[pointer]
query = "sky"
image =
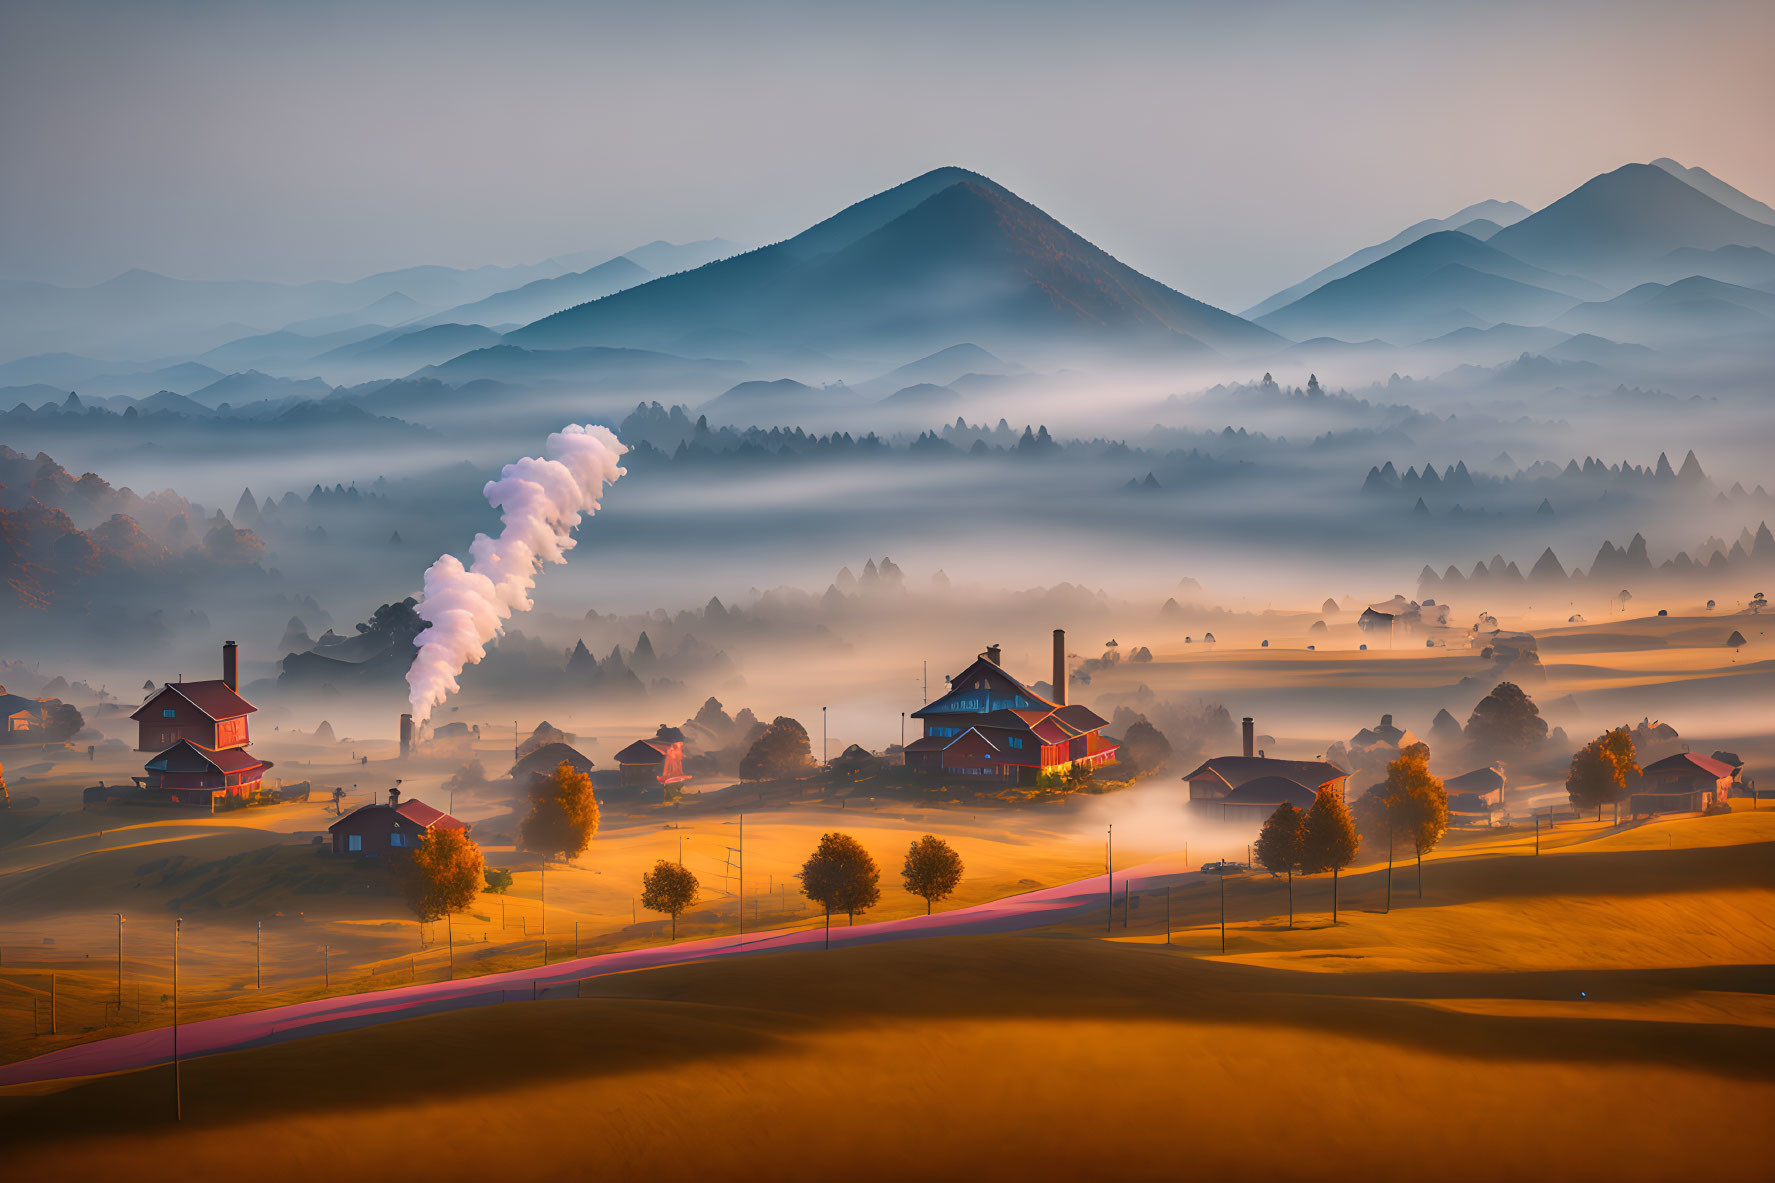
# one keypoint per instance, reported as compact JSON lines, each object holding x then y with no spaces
{"x":1226,"y":149}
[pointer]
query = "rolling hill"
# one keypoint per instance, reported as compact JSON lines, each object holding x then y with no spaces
{"x":1733,"y":199}
{"x":948,"y":254}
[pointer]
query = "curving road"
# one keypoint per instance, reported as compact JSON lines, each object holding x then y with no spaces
{"x":255,"y":1028}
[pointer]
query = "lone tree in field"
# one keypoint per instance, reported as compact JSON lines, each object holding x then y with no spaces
{"x":1281,"y":846}
{"x":1330,"y":839}
{"x":841,"y":876}
{"x":1506,"y":721}
{"x":783,"y":750}
{"x":1416,"y":806}
{"x":563,"y":814}
{"x":668,"y":888}
{"x":1599,"y":773}
{"x":932,"y":870}
{"x":443,"y":874}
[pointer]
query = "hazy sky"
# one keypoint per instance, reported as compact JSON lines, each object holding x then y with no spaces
{"x":1227,"y":149}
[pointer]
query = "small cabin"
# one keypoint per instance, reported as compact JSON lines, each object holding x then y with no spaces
{"x":371,"y":831}
{"x":659,"y":760}
{"x":1684,"y":783}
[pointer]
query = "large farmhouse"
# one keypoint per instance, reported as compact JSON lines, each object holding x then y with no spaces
{"x":992,"y":727}
{"x":199,"y":730}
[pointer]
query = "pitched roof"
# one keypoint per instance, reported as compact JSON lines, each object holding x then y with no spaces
{"x":1271,"y":790}
{"x":12,"y":704}
{"x":212,"y":697}
{"x":226,"y":760}
{"x":548,"y":757}
{"x":412,"y":809}
{"x":644,"y":751}
{"x":1685,"y":760}
{"x":982,"y":668}
{"x":1239,"y":770}
{"x":419,"y":813}
{"x":1480,"y":780}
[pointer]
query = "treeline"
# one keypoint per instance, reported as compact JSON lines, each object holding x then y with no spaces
{"x":1750,"y":553}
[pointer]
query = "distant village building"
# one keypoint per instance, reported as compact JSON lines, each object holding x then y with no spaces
{"x":1478,"y":792}
{"x":991,"y":727}
{"x":199,"y":732}
{"x":20,"y":715}
{"x":656,"y":761}
{"x":1684,"y":783}
{"x":371,"y":831}
{"x":1250,"y":787}
{"x":544,"y":760}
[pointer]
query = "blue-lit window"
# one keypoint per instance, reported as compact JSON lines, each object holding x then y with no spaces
{"x":169,"y":713}
{"x":1015,"y":741}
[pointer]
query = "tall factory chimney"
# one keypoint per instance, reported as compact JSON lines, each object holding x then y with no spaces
{"x":1250,"y":737}
{"x":406,"y":736}
{"x":231,"y":665}
{"x":1060,"y":667}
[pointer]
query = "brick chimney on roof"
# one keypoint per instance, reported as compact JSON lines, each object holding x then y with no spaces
{"x":231,"y":666}
{"x":1060,"y":667}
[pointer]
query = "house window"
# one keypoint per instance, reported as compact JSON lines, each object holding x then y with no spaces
{"x":397,"y":839}
{"x":354,"y":842}
{"x":169,"y":713}
{"x":1015,"y":741}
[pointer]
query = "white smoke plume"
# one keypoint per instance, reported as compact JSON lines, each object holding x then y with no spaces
{"x":541,"y":499}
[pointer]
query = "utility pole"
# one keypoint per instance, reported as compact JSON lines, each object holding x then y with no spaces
{"x":178,"y":1095}
{"x":52,"y":1029}
{"x":450,"y":935}
{"x":120,"y":965}
{"x":1223,"y":910}
{"x":903,"y":736}
{"x":258,"y":954}
{"x":543,"y":905}
{"x":1109,"y":871}
{"x":326,"y":967}
{"x":1537,"y":834}
{"x":1126,"y":884}
{"x":825,"y":755}
{"x":1167,"y":913}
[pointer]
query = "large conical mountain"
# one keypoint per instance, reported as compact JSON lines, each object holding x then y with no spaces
{"x":1615,"y":225}
{"x":947,"y":256}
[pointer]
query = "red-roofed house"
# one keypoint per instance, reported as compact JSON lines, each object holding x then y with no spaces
{"x":199,"y":730}
{"x":991,"y":726}
{"x":1684,"y":783}
{"x":659,"y":760}
{"x":371,"y":831}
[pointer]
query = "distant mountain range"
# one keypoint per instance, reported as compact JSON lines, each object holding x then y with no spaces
{"x":1567,"y":264}
{"x":947,"y":254}
{"x":1480,"y":221}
